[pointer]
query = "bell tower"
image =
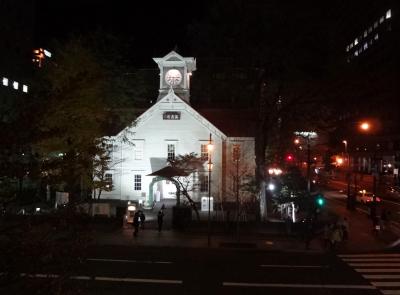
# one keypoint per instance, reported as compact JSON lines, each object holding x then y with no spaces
{"x":175,"y":73}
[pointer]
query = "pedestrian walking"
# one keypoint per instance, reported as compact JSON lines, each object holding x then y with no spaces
{"x":326,"y":235}
{"x":160,"y":219}
{"x":136,"y":223}
{"x":142,"y":218}
{"x":344,"y":226}
{"x":336,"y":237}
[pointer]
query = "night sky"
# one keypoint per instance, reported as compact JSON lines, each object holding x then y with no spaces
{"x":152,"y":27}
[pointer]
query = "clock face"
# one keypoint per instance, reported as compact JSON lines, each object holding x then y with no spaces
{"x":173,"y":77}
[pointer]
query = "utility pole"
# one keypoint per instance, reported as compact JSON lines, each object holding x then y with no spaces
{"x":308,"y":164}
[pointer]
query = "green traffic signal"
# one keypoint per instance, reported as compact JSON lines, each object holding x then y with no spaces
{"x":320,"y":201}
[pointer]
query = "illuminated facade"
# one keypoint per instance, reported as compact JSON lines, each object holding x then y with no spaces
{"x":169,"y":128}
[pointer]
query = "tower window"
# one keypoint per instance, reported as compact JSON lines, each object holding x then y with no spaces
{"x":5,"y":81}
{"x":171,"y":152}
{"x":138,"y":182}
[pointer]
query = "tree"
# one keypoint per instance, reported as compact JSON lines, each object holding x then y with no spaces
{"x":82,"y":89}
{"x":190,"y":163}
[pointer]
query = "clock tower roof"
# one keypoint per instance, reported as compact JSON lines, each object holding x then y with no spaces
{"x":175,"y":72}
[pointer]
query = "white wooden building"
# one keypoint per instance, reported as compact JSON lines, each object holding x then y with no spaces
{"x":169,"y":128}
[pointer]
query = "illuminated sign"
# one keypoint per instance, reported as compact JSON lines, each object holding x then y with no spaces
{"x":171,"y":115}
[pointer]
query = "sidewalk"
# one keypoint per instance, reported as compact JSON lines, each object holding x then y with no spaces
{"x":269,"y":236}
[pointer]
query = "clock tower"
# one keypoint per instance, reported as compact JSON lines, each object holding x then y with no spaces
{"x":175,"y":72}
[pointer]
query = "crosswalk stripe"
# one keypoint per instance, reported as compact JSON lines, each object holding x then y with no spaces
{"x":386,"y":284}
{"x":383,"y":259}
{"x":375,"y":264}
{"x":381,"y":277}
{"x":390,"y":292}
{"x":387,"y":255}
{"x":382,"y":270}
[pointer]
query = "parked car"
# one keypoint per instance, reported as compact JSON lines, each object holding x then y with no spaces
{"x":393,"y":191}
{"x":366,"y":197}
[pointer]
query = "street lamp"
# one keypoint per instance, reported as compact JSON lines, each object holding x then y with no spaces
{"x":209,"y":166}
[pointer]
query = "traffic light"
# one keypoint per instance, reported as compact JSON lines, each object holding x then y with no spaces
{"x":319,"y":200}
{"x":289,"y":158}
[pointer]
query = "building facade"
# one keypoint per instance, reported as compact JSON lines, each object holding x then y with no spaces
{"x":169,"y":128}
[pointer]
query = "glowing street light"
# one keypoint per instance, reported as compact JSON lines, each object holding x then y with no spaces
{"x":365,"y":126}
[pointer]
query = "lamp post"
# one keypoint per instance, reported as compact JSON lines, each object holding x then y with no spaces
{"x":209,"y":166}
{"x":350,"y":200}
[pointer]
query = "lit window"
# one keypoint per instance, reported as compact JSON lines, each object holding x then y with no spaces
{"x":356,"y":53}
{"x":369,"y":29}
{"x":171,"y":152}
{"x":204,"y":152}
{"x":365,"y":33}
{"x":356,"y":41}
{"x":236,"y":152}
{"x":138,"y":182}
{"x":375,"y":25}
{"x":365,"y":45}
{"x":204,"y":183}
{"x":381,"y":19}
{"x":5,"y":81}
{"x":388,"y":14}
{"x":15,"y":85}
{"x":351,"y":45}
{"x":347,"y":48}
{"x":108,"y":180}
{"x":376,"y":37}
{"x":25,"y":88}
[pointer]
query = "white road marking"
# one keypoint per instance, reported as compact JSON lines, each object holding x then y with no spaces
{"x":383,"y":259}
{"x":292,"y":266}
{"x":138,"y":280}
{"x":390,"y":292}
{"x":384,"y":277}
{"x":386,"y":284}
{"x":370,"y":255}
{"x":375,"y":264}
{"x":109,"y":279}
{"x":129,"y":261}
{"x":318,"y":286}
{"x":381,"y":270}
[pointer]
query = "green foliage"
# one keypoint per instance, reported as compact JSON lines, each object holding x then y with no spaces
{"x":81,"y":88}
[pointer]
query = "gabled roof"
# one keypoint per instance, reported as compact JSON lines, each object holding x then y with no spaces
{"x":171,"y":97}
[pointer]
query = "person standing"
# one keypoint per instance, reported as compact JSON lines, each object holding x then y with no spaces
{"x":142,"y":218}
{"x":136,"y":223}
{"x":160,"y":220}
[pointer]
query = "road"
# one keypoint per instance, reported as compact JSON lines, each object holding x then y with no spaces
{"x":338,"y":193}
{"x":128,"y":270}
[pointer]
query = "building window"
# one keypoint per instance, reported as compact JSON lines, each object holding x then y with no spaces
{"x":376,"y":37}
{"x":15,"y":85}
{"x":381,"y":19}
{"x":236,"y":152}
{"x":204,"y":152}
{"x":388,"y":14}
{"x":5,"y":81}
{"x":25,"y":88}
{"x":138,"y":182}
{"x":108,"y":179}
{"x":171,"y":152}
{"x":356,"y":41}
{"x":365,"y":45}
{"x":375,"y":24}
{"x":204,"y":183}
{"x":365,"y":33}
{"x":370,"y":30}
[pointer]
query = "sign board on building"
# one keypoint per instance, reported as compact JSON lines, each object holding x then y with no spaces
{"x":204,"y":204}
{"x":171,"y":115}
